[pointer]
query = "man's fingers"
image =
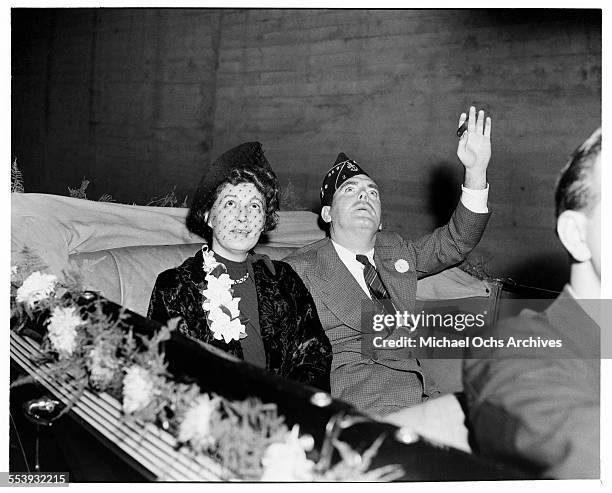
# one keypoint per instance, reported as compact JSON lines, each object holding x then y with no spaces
{"x":480,"y":122}
{"x":462,"y":127}
{"x":487,"y":129}
{"x":472,"y":120}
{"x":462,"y":118}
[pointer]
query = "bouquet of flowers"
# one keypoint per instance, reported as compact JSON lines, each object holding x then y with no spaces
{"x":101,"y":352}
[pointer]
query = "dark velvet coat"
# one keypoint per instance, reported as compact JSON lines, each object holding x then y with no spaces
{"x":295,"y":344}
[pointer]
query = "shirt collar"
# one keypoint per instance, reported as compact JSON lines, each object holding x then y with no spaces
{"x":347,"y":256}
{"x":591,"y":307}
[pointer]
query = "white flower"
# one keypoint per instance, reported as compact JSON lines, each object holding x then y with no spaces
{"x":224,"y":328}
{"x":215,"y":314}
{"x":36,"y":287}
{"x":232,"y":306}
{"x":216,"y":294}
{"x":209,"y":261}
{"x":218,"y":288}
{"x":62,"y":329}
{"x":195,"y":426}
{"x":138,"y":389}
{"x":286,"y":461}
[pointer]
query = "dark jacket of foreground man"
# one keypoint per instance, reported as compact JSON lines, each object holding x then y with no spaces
{"x":294,"y":342}
{"x":542,"y":408}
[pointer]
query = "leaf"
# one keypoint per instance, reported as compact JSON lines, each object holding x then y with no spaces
{"x":22,"y":380}
{"x":382,"y":474}
{"x":16,"y":178}
{"x":172,"y":324}
{"x":348,"y":455}
{"x":168,"y":200}
{"x":79,"y":193}
{"x":370,"y":453}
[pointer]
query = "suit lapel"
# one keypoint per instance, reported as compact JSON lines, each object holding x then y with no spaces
{"x":397,"y":284}
{"x":339,"y":290}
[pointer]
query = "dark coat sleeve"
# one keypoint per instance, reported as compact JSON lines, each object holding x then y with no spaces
{"x":451,"y":243}
{"x":165,"y":298}
{"x":305,"y":350}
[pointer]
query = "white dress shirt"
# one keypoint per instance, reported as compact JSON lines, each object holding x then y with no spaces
{"x":353,"y":265}
{"x":474,"y":200}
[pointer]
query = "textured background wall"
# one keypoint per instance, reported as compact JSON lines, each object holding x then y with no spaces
{"x":139,"y":101}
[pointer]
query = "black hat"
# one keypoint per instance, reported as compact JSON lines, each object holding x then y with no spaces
{"x":343,"y":169}
{"x":248,"y":156}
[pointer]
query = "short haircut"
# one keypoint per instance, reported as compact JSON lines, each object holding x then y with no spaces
{"x":264,"y":180}
{"x":575,"y":188}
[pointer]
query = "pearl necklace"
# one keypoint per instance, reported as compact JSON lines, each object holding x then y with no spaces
{"x":241,"y":280}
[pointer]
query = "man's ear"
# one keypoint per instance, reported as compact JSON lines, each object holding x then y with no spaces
{"x":572,"y":231}
{"x":325,"y":215}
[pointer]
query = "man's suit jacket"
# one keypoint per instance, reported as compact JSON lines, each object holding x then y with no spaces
{"x":380,"y":385}
{"x":541,"y":407}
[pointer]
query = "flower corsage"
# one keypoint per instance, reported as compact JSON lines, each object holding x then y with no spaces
{"x":220,"y":305}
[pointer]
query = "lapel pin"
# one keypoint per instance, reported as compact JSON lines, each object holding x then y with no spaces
{"x":401,"y":266}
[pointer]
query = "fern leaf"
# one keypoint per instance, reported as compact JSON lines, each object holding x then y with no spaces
{"x":79,"y":193}
{"x":16,"y":178}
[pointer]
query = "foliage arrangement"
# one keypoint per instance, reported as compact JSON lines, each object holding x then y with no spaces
{"x":16,"y":178}
{"x":288,"y":197}
{"x":168,"y":200}
{"x":80,"y":193}
{"x":100,"y":351}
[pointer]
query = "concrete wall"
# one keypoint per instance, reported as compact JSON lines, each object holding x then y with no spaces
{"x":139,"y":101}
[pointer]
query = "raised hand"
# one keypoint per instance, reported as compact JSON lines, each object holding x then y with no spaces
{"x":474,"y":149}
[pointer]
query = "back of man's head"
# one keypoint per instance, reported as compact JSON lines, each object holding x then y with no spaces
{"x":578,"y":208}
{"x":576,"y":188}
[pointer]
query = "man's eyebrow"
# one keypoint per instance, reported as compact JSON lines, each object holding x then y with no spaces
{"x":349,"y":182}
{"x":355,"y":182}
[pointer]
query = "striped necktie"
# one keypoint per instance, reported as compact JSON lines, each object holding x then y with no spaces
{"x":377,"y":289}
{"x":373,"y":280}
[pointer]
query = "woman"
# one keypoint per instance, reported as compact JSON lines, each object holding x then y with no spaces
{"x":246,"y":304}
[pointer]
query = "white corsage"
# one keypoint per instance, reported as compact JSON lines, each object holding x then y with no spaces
{"x":219,"y":303}
{"x":210,"y":263}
